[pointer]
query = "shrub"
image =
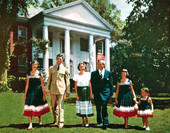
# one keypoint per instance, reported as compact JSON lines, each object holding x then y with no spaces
{"x":17,"y":84}
{"x":4,"y":88}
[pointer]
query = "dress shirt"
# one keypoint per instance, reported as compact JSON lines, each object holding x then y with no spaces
{"x":101,"y":72}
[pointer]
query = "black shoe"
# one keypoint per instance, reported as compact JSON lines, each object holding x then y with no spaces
{"x":104,"y":127}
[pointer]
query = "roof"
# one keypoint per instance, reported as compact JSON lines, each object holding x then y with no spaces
{"x":92,"y":11}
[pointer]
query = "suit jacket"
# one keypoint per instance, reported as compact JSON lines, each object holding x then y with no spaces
{"x":101,"y":88}
{"x":58,"y":81}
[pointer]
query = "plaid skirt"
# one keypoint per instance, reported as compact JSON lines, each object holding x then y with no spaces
{"x":84,"y":105}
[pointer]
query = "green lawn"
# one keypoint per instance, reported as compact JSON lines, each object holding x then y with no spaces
{"x":12,"y":120}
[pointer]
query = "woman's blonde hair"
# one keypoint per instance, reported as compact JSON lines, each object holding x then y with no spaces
{"x":125,"y":70}
{"x":146,"y":90}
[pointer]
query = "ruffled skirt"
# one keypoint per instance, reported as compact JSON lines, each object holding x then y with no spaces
{"x":145,"y":113}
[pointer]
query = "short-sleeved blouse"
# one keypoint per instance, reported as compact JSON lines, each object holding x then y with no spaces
{"x":82,"y":80}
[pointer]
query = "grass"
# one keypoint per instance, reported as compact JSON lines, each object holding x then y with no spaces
{"x":12,"y":120}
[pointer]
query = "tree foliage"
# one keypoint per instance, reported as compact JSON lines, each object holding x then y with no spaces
{"x":9,"y":9}
{"x":104,"y":8}
{"x":147,"y":55}
{"x":39,"y":46}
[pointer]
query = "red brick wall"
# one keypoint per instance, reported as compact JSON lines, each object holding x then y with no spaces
{"x":100,"y":56}
{"x":13,"y":40}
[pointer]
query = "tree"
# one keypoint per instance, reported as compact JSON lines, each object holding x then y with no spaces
{"x":9,"y":9}
{"x":147,"y":30}
{"x":104,"y":8}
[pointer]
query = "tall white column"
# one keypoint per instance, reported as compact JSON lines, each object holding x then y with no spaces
{"x":67,"y":49}
{"x":46,"y":56}
{"x":92,"y":56}
{"x":107,"y":54}
{"x":33,"y":49}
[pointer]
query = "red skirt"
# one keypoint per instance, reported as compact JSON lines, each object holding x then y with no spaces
{"x":125,"y":111}
{"x":145,"y":113}
{"x":31,"y":110}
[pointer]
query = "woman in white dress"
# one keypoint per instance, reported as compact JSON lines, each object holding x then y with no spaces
{"x":84,"y":94}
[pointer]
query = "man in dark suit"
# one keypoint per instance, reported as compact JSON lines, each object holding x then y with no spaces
{"x":102,"y":88}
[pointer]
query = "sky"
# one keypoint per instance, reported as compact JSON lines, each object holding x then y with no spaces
{"x":121,"y":5}
{"x":124,"y":8}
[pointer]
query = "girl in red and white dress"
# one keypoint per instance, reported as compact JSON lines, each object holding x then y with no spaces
{"x":145,"y":107}
{"x":125,"y":98}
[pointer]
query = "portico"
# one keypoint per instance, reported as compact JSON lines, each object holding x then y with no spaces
{"x":73,"y":27}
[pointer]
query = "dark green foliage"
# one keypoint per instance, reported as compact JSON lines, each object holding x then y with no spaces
{"x":17,"y":84}
{"x":9,"y":9}
{"x":39,"y":45}
{"x":4,"y":88}
{"x":145,"y":48}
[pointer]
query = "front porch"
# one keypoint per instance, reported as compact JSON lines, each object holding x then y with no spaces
{"x":74,"y":34}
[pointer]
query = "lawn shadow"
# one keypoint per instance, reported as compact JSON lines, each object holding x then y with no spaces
{"x":25,"y":126}
{"x":121,"y":126}
{"x":112,"y":126}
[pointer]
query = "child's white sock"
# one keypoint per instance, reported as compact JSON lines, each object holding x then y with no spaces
{"x":30,"y":126}
{"x":147,"y":129}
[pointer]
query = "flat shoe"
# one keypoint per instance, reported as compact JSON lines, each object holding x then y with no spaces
{"x":87,"y":125}
{"x":29,"y":128}
{"x":59,"y":127}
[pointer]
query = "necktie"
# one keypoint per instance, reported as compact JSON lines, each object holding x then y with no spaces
{"x":101,"y":75}
{"x":58,"y":67}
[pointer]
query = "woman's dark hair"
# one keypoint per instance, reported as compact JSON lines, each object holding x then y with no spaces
{"x":32,"y":62}
{"x":30,"y":66}
{"x":80,"y":64}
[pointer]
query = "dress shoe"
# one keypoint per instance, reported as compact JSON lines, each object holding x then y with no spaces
{"x":100,"y":124}
{"x":87,"y":125}
{"x":104,"y":127}
{"x":59,"y":127}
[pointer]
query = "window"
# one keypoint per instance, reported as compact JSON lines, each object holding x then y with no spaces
{"x":84,"y":44}
{"x":40,"y":60}
{"x":87,"y":66}
{"x":71,"y":47}
{"x":62,"y":45}
{"x":50,"y":37}
{"x":100,"y":48}
{"x":22,"y":34}
{"x":50,"y":62}
{"x":22,"y":64}
{"x":39,"y":34}
{"x":71,"y":69}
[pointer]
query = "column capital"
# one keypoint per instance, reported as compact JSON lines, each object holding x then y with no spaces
{"x":91,"y":34}
{"x":44,"y":25}
{"x":67,"y":29}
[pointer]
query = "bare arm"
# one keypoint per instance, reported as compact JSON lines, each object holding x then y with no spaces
{"x":75,"y":88}
{"x":132,"y":91}
{"x":117,"y":92}
{"x":67,"y":81}
{"x":26,"y":87}
{"x":47,"y":89}
{"x":42,"y":86}
{"x":139,"y":102}
{"x":151,"y":104}
{"x":90,"y":87}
